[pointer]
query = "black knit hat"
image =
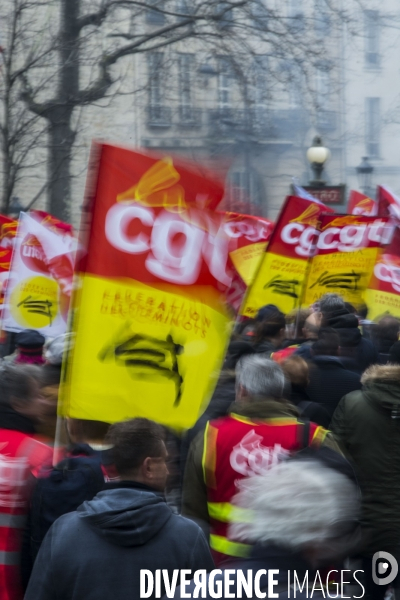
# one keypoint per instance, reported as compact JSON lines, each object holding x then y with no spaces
{"x":30,"y":339}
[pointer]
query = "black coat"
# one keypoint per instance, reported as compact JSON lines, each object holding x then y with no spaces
{"x":352,"y":344}
{"x":96,"y":553}
{"x":330,"y":381}
{"x":312,"y":411}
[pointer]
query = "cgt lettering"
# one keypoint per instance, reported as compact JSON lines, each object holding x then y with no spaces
{"x":351,"y":237}
{"x":388,"y":273}
{"x":254,"y":232}
{"x":166,"y":259}
{"x":301,"y":236}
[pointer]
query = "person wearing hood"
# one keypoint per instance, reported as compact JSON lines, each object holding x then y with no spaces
{"x":260,"y":429}
{"x":98,"y":551}
{"x":367,"y":425}
{"x":359,"y":352}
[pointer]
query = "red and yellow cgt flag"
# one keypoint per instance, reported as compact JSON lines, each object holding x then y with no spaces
{"x":383,"y":293}
{"x":281,"y":275}
{"x":150,"y":320}
{"x":345,"y":255}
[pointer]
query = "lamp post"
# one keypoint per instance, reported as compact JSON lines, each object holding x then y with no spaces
{"x":364,"y":175}
{"x":317,"y":155}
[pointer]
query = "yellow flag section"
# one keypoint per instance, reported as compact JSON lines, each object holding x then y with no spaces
{"x":346,"y":252}
{"x":143,"y":352}
{"x":383,"y":293}
{"x":149,"y":316}
{"x":247,"y":259}
{"x":282,"y":272}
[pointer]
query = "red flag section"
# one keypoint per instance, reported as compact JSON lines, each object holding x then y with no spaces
{"x":383,"y":294}
{"x":388,"y":202}
{"x":359,"y":204}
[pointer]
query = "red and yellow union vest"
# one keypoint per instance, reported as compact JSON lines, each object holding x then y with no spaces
{"x":236,"y":447}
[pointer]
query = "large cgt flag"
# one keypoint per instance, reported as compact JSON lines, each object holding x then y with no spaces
{"x":345,"y":255}
{"x":150,"y":320}
{"x":383,"y":294}
{"x":281,"y":275}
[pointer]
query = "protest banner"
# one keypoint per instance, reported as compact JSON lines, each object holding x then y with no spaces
{"x":250,"y":236}
{"x":8,"y":231}
{"x":388,"y":202}
{"x":35,"y":297}
{"x":383,"y":293}
{"x":360,"y":204}
{"x":345,"y":255}
{"x":281,"y":275}
{"x":150,"y":320}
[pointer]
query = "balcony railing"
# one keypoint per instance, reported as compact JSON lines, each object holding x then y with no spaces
{"x":159,"y":116}
{"x":190,"y":117}
{"x":257,"y":122}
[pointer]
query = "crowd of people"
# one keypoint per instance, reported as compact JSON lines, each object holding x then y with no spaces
{"x":294,"y":465}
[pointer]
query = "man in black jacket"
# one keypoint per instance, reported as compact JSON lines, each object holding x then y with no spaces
{"x":359,"y":352}
{"x":98,"y":551}
{"x":329,"y":379}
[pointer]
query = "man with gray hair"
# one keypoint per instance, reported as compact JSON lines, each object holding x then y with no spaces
{"x":261,"y":429}
{"x":299,"y":516}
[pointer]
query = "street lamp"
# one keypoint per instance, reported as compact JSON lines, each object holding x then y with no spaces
{"x":317,"y":155}
{"x":364,"y":175}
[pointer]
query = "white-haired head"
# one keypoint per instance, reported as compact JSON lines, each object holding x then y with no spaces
{"x":296,"y":504}
{"x":257,"y":375}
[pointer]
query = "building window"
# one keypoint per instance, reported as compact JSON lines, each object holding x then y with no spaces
{"x":372,"y":127}
{"x":260,"y":93}
{"x":186,"y":62}
{"x":321,"y":18}
{"x":155,"y":16}
{"x":224,"y":84}
{"x":244,"y":188}
{"x":159,"y":114}
{"x":323,"y":88}
{"x":296,"y":16}
{"x":372,"y":38}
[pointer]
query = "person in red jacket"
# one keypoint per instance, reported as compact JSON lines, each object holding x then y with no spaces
{"x":21,"y":458}
{"x":261,"y":429}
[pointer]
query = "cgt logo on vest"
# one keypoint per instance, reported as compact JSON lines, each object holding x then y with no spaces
{"x":250,"y":457}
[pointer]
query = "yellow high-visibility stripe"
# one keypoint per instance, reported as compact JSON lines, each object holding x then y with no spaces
{"x":225,"y":546}
{"x":272,"y":421}
{"x":319,"y":435}
{"x":209,"y":459}
{"x":228,"y":513}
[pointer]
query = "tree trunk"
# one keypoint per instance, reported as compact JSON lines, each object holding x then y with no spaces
{"x":61,"y":137}
{"x":61,"y":140}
